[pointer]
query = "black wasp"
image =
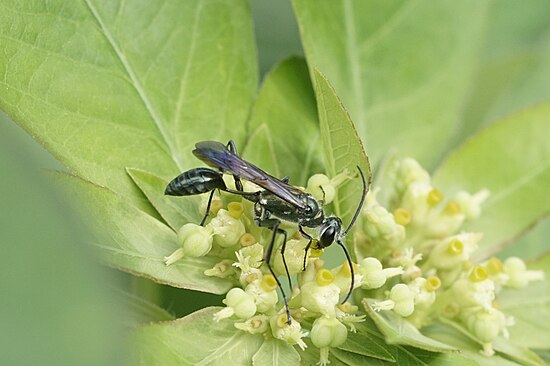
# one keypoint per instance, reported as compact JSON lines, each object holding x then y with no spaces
{"x":277,"y":201}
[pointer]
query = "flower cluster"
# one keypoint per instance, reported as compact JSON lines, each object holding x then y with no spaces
{"x":412,"y":259}
{"x":420,"y":230}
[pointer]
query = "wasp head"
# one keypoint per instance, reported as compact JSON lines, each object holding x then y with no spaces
{"x":330,"y":231}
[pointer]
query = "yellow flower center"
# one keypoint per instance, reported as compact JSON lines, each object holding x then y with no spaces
{"x":402,"y":216}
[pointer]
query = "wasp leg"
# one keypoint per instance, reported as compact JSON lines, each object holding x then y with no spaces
{"x":310,"y":238}
{"x":207,"y":213}
{"x":273,"y":224}
{"x":232,"y":147}
{"x":285,"y":179}
{"x":350,"y":263}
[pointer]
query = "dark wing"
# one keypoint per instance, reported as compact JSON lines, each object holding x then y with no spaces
{"x":218,"y":156}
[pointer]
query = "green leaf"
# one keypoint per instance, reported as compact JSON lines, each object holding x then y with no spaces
{"x":398,"y":330}
{"x":531,"y":245}
{"x":342,"y":148}
{"x":544,"y":354}
{"x":284,"y":138}
{"x":528,"y":306}
{"x":133,"y":241}
{"x":367,"y":341}
{"x":275,"y":352}
{"x":511,"y":159}
{"x":176,"y":211}
{"x":469,"y":349}
{"x":195,"y":340}
{"x":401,"y":356}
{"x":108,"y":84}
{"x":517,"y":353}
{"x":402,"y":68}
{"x":138,"y":311}
{"x":514,"y":69}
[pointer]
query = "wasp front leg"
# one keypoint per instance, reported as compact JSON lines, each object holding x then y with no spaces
{"x":262,"y":219}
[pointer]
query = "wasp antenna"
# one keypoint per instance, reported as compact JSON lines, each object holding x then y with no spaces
{"x":358,"y":211}
{"x":350,"y":263}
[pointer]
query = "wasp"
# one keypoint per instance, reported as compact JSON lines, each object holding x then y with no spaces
{"x":276,"y":201}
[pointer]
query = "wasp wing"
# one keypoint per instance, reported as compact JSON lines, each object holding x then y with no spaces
{"x":218,"y":156}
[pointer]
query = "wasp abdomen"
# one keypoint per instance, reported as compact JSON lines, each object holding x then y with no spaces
{"x":195,"y":181}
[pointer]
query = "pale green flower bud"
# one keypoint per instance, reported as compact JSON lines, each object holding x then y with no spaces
{"x":380,"y":226}
{"x":328,"y":332}
{"x":518,"y":274}
{"x":294,"y":256}
{"x":486,"y":325}
{"x":195,"y":241}
{"x":290,"y":333}
{"x":410,"y":171}
{"x":239,"y":303}
{"x":227,"y":229}
{"x":264,"y":292}
{"x":400,"y":174}
{"x":403,"y":298}
{"x":321,"y":296}
{"x":374,"y":276}
{"x":323,"y":188}
{"x":470,"y":204}
{"x":258,"y":324}
{"x":319,"y":183}
{"x":401,"y":301}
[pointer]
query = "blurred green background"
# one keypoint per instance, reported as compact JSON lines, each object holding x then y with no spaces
{"x":58,"y":306}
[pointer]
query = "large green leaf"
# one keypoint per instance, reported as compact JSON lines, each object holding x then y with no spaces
{"x":176,"y":211}
{"x":342,"y":147}
{"x":402,"y":68}
{"x":528,"y":306}
{"x":284,"y":132}
{"x":514,"y":68}
{"x":511,"y":159}
{"x":108,"y":84}
{"x":134,"y":242}
{"x":138,"y":311}
{"x":195,"y":340}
